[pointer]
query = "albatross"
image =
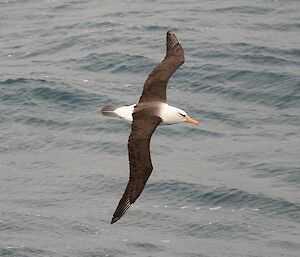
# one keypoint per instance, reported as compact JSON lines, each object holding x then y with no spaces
{"x":151,"y":110}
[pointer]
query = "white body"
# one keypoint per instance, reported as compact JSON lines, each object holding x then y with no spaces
{"x":168,"y":114}
{"x":125,"y":112}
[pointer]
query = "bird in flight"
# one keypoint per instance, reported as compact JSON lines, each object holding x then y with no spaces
{"x":151,"y":111}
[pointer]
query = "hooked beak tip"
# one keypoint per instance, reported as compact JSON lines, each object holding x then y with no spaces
{"x":191,"y":120}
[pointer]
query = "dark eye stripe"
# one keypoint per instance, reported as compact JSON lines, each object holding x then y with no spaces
{"x":183,"y":115}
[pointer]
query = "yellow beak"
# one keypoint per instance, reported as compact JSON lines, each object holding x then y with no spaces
{"x":191,"y":120}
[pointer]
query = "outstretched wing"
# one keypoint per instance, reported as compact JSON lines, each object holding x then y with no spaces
{"x":156,"y":84}
{"x":143,"y":126}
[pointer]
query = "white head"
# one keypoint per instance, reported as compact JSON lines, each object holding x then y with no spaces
{"x":173,"y":115}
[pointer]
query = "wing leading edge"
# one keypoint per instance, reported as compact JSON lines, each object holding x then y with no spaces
{"x":156,"y":84}
{"x":140,"y":163}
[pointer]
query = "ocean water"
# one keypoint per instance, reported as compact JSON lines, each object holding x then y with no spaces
{"x":227,"y":188}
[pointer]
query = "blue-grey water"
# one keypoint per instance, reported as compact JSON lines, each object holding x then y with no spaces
{"x":227,"y":188}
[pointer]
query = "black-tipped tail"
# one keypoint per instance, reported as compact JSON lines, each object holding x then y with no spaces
{"x":108,"y":110}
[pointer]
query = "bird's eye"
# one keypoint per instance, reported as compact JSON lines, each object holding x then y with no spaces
{"x":183,"y":115}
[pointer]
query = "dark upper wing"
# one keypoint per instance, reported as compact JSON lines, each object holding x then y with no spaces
{"x":140,"y":164}
{"x":156,"y":84}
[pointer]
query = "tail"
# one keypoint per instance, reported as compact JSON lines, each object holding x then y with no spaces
{"x":108,"y":110}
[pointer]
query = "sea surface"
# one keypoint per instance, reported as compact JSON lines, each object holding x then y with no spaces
{"x":230,"y":187}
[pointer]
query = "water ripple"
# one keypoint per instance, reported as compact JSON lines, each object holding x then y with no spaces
{"x":221,"y":196}
{"x":116,"y":62}
{"x":246,"y":9}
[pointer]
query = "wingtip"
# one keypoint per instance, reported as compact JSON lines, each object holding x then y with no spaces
{"x":172,"y":40}
{"x":171,"y":35}
{"x":114,"y":219}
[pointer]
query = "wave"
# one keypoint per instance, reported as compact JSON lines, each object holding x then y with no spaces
{"x":268,"y":88}
{"x":24,"y":251}
{"x":115,"y":62}
{"x":176,"y":191}
{"x":289,"y":174}
{"x":21,"y":81}
{"x":278,"y":26}
{"x":74,"y":99}
{"x":245,"y":9}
